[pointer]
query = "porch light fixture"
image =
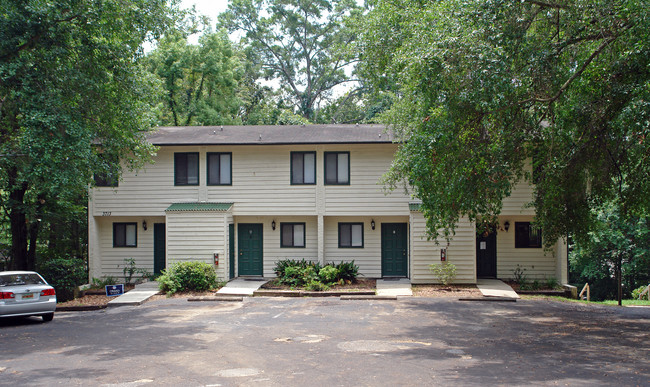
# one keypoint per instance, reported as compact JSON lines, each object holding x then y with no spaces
{"x":506,"y":225}
{"x":273,"y":224}
{"x":144,"y":225}
{"x":372,"y":224}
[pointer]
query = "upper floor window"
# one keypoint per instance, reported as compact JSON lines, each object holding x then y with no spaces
{"x":337,"y":167}
{"x":303,"y":167}
{"x":105,"y":180}
{"x":186,"y":168}
{"x":219,"y":168}
{"x":125,"y":234}
{"x":350,"y":234}
{"x":293,"y":235}
{"x":527,"y":235}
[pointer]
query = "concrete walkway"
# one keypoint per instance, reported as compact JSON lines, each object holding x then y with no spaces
{"x":242,"y":286}
{"x":394,"y":287}
{"x":496,"y":288}
{"x":137,"y":296}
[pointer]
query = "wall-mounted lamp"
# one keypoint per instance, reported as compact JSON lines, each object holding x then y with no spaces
{"x":506,"y":225}
{"x":144,"y":225}
{"x":273,"y":224}
{"x":372,"y":224}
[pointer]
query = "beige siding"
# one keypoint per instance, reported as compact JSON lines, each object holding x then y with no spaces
{"x":537,"y":262}
{"x":271,"y":240}
{"x":520,"y":197}
{"x":110,"y":260}
{"x":196,"y":236}
{"x":461,"y":252}
{"x":367,"y":258}
{"x":260,"y":184}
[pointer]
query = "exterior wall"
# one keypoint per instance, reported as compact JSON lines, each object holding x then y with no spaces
{"x":367,"y":258}
{"x":272,"y":252}
{"x":107,"y":260}
{"x":196,"y":236}
{"x":461,"y":252}
{"x":260,"y":184}
{"x":520,"y":197}
{"x":538,"y":263}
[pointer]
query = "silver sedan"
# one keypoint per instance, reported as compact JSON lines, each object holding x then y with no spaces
{"x":26,"y":293}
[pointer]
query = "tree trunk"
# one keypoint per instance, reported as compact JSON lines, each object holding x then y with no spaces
{"x":18,"y":222}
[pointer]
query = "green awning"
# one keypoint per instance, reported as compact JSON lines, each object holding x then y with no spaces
{"x":199,"y":207}
{"x":414,"y":206}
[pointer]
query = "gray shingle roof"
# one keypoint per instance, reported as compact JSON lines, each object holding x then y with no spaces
{"x":270,"y":135}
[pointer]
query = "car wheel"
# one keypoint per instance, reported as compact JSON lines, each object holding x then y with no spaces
{"x":48,"y":317}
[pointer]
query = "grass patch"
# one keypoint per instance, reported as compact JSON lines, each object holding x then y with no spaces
{"x":607,"y":302}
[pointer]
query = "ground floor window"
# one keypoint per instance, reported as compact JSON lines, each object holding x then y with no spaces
{"x":527,"y":235}
{"x":293,"y":234}
{"x":350,"y":234}
{"x":125,"y":235}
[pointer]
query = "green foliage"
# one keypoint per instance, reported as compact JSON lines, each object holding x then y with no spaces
{"x":188,"y":276}
{"x":348,"y":271}
{"x":329,"y":274}
{"x":64,"y":275}
{"x":130,"y":269}
{"x":636,"y":293}
{"x":297,"y":42}
{"x":487,"y":86}
{"x":101,"y":283}
{"x":201,"y":83}
{"x":519,"y":274}
{"x":74,"y":95}
{"x":614,"y":242}
{"x":445,"y":272}
{"x":313,"y":276}
{"x":551,"y":283}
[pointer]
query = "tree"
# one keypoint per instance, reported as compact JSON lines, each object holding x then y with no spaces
{"x":201,"y":82}
{"x":485,"y":87}
{"x":298,"y":43}
{"x":615,"y":249}
{"x":72,"y":97}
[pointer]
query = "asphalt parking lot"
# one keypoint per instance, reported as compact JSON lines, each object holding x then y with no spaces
{"x":328,"y":341}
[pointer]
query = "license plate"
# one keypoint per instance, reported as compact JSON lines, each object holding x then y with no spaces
{"x":28,"y":296}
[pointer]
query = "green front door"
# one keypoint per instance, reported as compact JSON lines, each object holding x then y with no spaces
{"x":158,"y":247}
{"x":394,"y":254}
{"x":249,"y":241}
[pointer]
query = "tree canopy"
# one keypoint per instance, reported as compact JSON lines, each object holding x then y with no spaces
{"x":73,"y":100}
{"x":298,"y":42}
{"x":486,"y":87}
{"x":201,"y":83}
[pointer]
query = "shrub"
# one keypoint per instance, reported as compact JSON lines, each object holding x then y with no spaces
{"x":130,"y":269}
{"x":100,"y":283}
{"x":636,"y":293}
{"x":316,"y":286}
{"x":348,"y":271}
{"x":328,"y":274}
{"x":188,"y":276}
{"x":64,"y":274}
{"x":445,"y":272}
{"x":551,"y":283}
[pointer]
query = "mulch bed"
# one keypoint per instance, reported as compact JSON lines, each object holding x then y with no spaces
{"x":361,"y":284}
{"x":455,"y":291}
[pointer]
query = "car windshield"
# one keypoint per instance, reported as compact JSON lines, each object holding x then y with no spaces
{"x":20,"y":279}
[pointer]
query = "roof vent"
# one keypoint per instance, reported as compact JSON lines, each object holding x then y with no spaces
{"x":260,"y":136}
{"x":221,"y":128}
{"x":379,"y":135}
{"x":357,"y":124}
{"x":214,"y":132}
{"x":302,"y":125}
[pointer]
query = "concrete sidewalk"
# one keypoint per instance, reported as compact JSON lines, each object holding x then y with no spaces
{"x":496,"y":288}
{"x":242,"y":286}
{"x":394,"y":287}
{"x":137,"y":296}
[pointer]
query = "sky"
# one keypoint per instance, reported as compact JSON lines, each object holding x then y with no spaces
{"x":210,"y":8}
